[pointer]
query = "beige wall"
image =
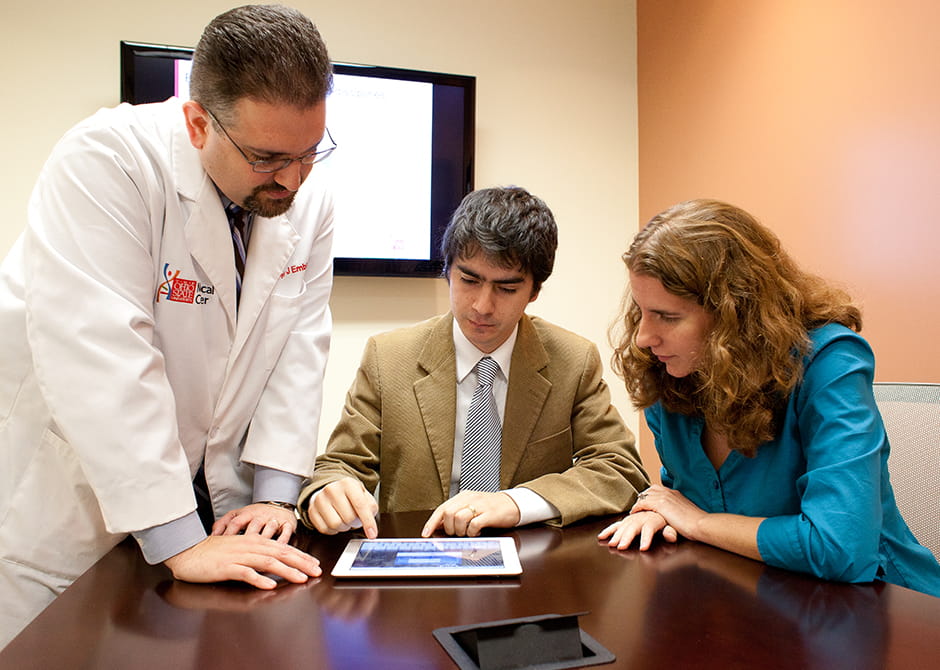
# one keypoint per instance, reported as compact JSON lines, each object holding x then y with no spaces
{"x":556,"y":113}
{"x":821,"y":118}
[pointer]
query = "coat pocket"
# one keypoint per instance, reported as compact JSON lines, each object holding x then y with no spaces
{"x":551,"y":454}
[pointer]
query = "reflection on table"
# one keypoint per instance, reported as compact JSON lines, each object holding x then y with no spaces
{"x":679,"y":605}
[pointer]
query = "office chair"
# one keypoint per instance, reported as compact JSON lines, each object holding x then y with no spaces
{"x":911,"y":414}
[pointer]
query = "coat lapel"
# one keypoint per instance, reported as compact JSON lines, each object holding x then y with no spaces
{"x":270,"y":248}
{"x":436,"y":394}
{"x":525,"y":397}
{"x":210,"y":244}
{"x":207,"y":230}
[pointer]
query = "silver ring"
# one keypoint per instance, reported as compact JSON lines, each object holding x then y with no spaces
{"x":642,"y":495}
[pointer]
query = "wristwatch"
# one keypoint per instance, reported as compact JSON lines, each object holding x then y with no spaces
{"x":278,"y":503}
{"x":283,"y":505}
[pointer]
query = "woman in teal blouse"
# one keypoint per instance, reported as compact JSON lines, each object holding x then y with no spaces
{"x":758,"y":390}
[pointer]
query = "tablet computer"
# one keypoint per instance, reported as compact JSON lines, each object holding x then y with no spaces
{"x":429,"y":557}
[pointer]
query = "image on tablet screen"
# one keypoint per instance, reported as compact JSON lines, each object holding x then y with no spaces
{"x":481,"y":553}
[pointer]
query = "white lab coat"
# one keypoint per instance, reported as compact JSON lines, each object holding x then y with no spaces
{"x":111,"y":394}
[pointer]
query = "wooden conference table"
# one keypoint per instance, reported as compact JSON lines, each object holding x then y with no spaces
{"x":682,"y":606}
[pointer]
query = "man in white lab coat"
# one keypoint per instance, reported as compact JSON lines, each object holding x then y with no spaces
{"x":136,"y":357}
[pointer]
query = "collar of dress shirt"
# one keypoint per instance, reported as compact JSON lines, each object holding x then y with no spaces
{"x":468,"y":355}
{"x":226,"y":201}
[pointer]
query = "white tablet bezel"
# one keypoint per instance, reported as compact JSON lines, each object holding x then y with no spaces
{"x":505,"y":545}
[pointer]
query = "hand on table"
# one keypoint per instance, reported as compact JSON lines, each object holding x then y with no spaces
{"x":679,"y":512}
{"x":469,"y":512}
{"x":657,"y":510}
{"x":245,"y":558}
{"x":262,"y":519}
{"x":644,"y":525}
{"x":661,"y":509}
{"x":342,"y":505}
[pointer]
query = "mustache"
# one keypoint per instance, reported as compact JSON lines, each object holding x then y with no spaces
{"x":271,"y":187}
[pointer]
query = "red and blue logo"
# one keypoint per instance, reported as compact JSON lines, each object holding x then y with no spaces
{"x":176,"y":289}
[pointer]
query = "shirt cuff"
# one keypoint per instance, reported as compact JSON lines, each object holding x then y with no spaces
{"x":161,"y":542}
{"x":533,"y":508}
{"x":276,"y":485}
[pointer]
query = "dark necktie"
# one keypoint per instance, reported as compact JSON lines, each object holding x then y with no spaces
{"x":238,"y":223}
{"x":479,"y":465}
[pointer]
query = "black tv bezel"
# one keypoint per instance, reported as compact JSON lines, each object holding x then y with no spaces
{"x":441,"y":212}
{"x":128,"y":67}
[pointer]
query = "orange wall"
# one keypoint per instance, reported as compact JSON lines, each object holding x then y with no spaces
{"x":821,"y":118}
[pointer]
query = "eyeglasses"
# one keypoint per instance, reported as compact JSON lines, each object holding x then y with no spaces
{"x":267,"y":165}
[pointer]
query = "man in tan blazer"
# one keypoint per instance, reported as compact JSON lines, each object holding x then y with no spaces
{"x":564,"y":453}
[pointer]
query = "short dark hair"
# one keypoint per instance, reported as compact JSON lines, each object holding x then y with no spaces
{"x":270,"y":53}
{"x":509,"y":225}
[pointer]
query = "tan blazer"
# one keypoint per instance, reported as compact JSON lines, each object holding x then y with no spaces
{"x":561,"y":437}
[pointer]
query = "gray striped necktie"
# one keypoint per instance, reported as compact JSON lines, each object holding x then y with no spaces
{"x":479,"y":465}
{"x":238,"y":222}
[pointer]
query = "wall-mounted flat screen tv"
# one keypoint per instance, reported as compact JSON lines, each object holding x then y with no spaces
{"x":404,"y":158}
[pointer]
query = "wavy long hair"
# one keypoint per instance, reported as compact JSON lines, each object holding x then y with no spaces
{"x":762,"y":306}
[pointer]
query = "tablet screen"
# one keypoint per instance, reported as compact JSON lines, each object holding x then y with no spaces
{"x":429,"y":557}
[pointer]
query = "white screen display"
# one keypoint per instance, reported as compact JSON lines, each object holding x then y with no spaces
{"x":181,"y":69}
{"x":381,"y":170}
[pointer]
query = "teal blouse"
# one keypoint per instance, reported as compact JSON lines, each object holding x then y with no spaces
{"x":822,"y":483}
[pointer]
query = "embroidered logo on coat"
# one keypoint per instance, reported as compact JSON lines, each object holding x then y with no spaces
{"x":176,"y":289}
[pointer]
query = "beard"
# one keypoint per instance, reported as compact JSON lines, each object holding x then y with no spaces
{"x":267,"y":207}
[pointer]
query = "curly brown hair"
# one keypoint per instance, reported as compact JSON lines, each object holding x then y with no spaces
{"x":762,"y":306}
